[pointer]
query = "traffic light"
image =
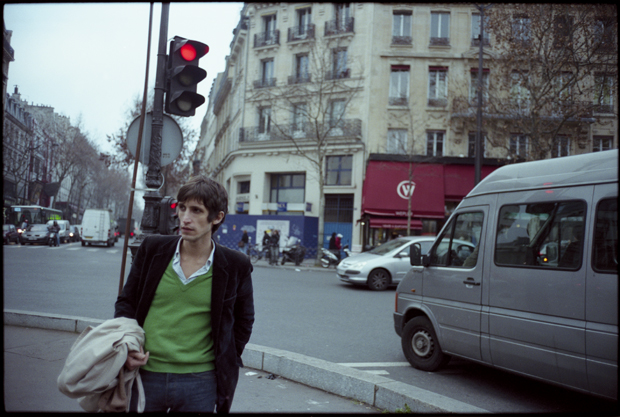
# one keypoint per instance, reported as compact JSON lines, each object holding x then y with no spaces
{"x":168,"y":217}
{"x":183,"y":75}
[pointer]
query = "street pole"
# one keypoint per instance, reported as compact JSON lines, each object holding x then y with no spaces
{"x":478,"y":147}
{"x":152,"y":198}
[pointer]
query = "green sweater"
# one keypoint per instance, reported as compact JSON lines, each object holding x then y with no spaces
{"x":178,"y":326}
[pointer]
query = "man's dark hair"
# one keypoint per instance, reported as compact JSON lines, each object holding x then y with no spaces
{"x":209,"y":192}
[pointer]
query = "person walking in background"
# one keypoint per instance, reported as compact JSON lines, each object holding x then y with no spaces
{"x":194,"y":300}
{"x":274,"y":247}
{"x":244,"y":243}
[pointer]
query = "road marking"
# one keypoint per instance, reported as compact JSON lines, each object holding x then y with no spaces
{"x":112,"y":251}
{"x":378,"y":372}
{"x":92,"y":250}
{"x":374,"y":364}
{"x":73,"y":248}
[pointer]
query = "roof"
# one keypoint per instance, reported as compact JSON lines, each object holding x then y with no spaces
{"x":596,"y":167}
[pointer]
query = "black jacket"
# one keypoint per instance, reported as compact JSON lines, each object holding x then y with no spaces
{"x":232,"y":304}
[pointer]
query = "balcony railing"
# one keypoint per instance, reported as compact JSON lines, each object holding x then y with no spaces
{"x":440,"y":41}
{"x":267,"y":38}
{"x":398,"y":101}
{"x":476,"y":42}
{"x":299,"y":79}
{"x":402,"y":40}
{"x":306,"y":130}
{"x":338,"y":74}
{"x":299,"y":33}
{"x":339,"y":26}
{"x":437,"y":102}
{"x":265,"y":82}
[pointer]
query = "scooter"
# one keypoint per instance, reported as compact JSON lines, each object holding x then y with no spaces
{"x":52,"y":239}
{"x":329,"y":258}
{"x":293,"y":251}
{"x":347,"y":251}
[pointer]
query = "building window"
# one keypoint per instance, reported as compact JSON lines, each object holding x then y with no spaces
{"x":401,"y":28}
{"x":339,"y":169}
{"x":602,"y":143}
{"x":343,"y":14}
{"x":519,"y":92}
{"x":336,"y":114}
{"x":561,"y":147}
{"x":399,"y":85}
{"x":438,"y":86}
{"x":434,"y":143}
{"x":243,"y":187}
{"x":301,"y":68}
{"x":300,"y":120}
{"x":519,"y":146}
{"x":397,"y":141}
{"x":562,"y":86}
{"x":264,"y":120}
{"x":520,"y":29}
{"x":603,"y":100}
{"x":562,"y":30}
{"x":288,"y":188}
{"x":304,"y":19}
{"x":269,"y":24}
{"x":267,"y":70}
{"x":471,"y":148}
{"x":475,"y":30}
{"x":339,"y":64}
{"x":440,"y":28}
{"x":473,"y":85}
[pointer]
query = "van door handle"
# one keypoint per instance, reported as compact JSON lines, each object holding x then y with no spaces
{"x":470,"y":281}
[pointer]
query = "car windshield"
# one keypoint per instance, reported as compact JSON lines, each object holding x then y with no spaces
{"x":5,"y":227}
{"x":38,"y":228}
{"x":389,"y":246}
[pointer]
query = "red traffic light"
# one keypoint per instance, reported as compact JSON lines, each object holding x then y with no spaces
{"x":173,"y":206}
{"x":188,"y":52}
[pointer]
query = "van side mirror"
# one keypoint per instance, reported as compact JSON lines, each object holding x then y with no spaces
{"x":415,"y":254}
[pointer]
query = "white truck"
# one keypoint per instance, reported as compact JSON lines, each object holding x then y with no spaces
{"x":97,"y":227}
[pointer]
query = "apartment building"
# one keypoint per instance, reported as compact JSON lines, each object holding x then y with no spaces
{"x":371,"y":103}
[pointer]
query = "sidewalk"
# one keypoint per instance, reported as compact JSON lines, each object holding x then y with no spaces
{"x":36,"y":346}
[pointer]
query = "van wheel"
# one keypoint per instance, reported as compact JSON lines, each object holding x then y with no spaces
{"x":379,"y":280}
{"x":421,"y":347}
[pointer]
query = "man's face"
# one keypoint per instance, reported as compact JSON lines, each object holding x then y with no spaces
{"x":193,"y":221}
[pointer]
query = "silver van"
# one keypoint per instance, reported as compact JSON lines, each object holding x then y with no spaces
{"x":538,"y":296}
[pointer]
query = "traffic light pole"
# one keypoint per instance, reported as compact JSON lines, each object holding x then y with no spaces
{"x":152,"y":198}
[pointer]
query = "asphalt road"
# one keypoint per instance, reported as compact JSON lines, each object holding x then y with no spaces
{"x":307,"y":312}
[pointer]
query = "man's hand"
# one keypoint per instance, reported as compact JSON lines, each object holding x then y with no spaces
{"x":136,"y":359}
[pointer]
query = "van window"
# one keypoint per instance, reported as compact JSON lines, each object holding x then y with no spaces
{"x":458,"y":243}
{"x":605,"y":253}
{"x":548,"y":235}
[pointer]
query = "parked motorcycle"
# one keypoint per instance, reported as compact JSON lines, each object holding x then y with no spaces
{"x":347,"y":251}
{"x":329,"y":258}
{"x":293,"y":251}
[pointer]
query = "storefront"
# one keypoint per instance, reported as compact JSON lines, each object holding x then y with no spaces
{"x":433,"y":189}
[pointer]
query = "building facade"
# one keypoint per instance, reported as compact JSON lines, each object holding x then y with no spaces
{"x":353,"y":113}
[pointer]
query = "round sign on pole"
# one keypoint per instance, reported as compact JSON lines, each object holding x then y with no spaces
{"x":171,"y":139}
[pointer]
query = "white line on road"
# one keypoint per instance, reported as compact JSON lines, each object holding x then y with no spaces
{"x":378,"y":372}
{"x":374,"y":364}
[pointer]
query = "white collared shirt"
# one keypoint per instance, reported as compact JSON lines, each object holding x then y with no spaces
{"x":176,"y":264}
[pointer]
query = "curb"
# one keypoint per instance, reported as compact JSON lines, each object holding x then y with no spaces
{"x":375,"y":390}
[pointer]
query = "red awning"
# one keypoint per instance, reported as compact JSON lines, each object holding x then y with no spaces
{"x":394,"y":223}
{"x":387,"y":189}
{"x":459,"y":180}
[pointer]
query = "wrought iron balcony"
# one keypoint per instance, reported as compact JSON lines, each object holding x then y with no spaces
{"x":299,"y":33}
{"x":398,"y":101}
{"x":299,"y":79}
{"x":402,"y":40}
{"x":339,"y":26}
{"x":440,"y":42}
{"x":302,"y":130}
{"x":267,"y":38}
{"x":265,"y":82}
{"x":337,"y":74}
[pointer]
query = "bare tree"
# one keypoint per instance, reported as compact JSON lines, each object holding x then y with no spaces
{"x":554,"y":67}
{"x":309,"y":110}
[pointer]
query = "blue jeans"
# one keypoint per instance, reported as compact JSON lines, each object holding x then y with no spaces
{"x":177,"y":392}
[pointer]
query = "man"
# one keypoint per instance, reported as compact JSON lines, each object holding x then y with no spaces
{"x":194,"y":300}
{"x":274,"y":247}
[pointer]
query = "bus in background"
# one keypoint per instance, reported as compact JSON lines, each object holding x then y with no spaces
{"x":17,"y":215}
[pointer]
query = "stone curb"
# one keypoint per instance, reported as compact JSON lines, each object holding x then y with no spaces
{"x":378,"y":391}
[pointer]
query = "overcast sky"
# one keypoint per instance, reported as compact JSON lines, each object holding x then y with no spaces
{"x":89,"y":59}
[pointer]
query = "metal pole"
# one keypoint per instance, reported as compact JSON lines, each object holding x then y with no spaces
{"x":139,"y":144}
{"x":150,"y":218}
{"x":478,"y":146}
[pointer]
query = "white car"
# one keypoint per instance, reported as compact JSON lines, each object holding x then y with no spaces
{"x":386,"y":265}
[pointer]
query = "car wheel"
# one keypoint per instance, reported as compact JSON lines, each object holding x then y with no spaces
{"x":421,"y":347}
{"x":379,"y":280}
